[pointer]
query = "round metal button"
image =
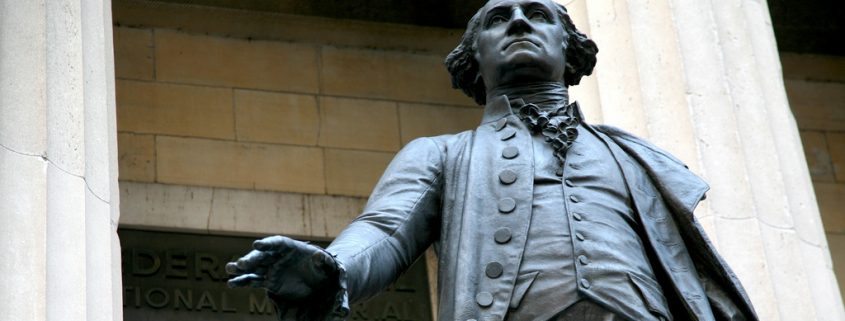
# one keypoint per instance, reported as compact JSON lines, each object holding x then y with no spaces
{"x":577,"y":216}
{"x":510,"y":152}
{"x":569,"y":183}
{"x":579,"y":236}
{"x":559,"y":172}
{"x":585,"y":283}
{"x":507,"y":205}
{"x":507,"y":176}
{"x":584,"y":260}
{"x":484,"y":299}
{"x":574,"y":199}
{"x":501,"y":123}
{"x":503,"y":235}
{"x":508,"y":134}
{"x":494,"y":270}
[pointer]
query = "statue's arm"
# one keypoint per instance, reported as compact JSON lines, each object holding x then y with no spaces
{"x":399,"y":222}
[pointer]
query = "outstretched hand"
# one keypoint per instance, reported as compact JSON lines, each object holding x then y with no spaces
{"x":291,"y":270}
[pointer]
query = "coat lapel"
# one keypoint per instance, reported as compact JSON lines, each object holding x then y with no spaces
{"x":666,"y":193}
{"x":667,"y":171}
{"x":662,"y":233}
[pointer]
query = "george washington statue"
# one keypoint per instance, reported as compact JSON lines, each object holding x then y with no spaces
{"x":535,"y":215}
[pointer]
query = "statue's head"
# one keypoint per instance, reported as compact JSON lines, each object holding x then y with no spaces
{"x":508,"y":42}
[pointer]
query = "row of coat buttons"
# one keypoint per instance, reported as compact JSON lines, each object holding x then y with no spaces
{"x":582,"y":259}
{"x":506,"y":205}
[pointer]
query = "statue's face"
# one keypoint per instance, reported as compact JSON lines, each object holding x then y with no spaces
{"x":520,"y":41}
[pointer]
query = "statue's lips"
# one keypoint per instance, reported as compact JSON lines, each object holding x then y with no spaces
{"x":521,"y":40}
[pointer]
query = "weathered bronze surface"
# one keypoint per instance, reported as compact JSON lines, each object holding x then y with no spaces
{"x":535,"y":215}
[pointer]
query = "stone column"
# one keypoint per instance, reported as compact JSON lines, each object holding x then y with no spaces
{"x":58,"y":162}
{"x":702,"y":79}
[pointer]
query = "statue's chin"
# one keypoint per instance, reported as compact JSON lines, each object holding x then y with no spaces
{"x":525,"y":70}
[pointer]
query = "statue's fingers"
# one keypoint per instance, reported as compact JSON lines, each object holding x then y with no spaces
{"x":273,"y":243}
{"x":232,"y":268}
{"x":246,"y":280}
{"x":253,"y":259}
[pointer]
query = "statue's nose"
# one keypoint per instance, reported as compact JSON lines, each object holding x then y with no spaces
{"x":519,"y":23}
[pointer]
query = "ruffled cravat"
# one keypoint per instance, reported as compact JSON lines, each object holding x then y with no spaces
{"x":558,"y":126}
{"x":545,"y":110}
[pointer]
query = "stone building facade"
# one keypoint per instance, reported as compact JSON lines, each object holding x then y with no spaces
{"x":241,"y":122}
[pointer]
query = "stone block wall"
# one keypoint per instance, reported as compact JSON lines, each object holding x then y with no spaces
{"x":816,"y":89}
{"x":269,"y":123}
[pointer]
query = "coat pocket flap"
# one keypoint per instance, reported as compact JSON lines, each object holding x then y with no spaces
{"x":652,"y":296}
{"x":523,"y":282}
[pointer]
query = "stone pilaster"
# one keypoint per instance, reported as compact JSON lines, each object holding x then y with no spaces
{"x":58,"y":165}
{"x":703,"y":80}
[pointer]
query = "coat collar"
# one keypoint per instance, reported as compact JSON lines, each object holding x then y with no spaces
{"x":500,"y":107}
{"x":496,"y":109}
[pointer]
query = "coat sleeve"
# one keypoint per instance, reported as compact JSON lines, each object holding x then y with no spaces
{"x":400,"y":221}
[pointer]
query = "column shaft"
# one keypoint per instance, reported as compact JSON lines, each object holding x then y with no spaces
{"x":23,"y":176}
{"x":58,"y":163}
{"x":618,"y":72}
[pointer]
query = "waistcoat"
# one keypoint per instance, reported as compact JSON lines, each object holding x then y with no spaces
{"x":583,"y":241}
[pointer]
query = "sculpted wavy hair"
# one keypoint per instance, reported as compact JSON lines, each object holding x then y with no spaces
{"x":580,"y":57}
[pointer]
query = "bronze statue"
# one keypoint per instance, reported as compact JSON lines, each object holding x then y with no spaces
{"x":535,"y":215}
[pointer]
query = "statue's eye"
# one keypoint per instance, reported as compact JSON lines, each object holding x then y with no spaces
{"x":538,"y":15}
{"x":497,"y":19}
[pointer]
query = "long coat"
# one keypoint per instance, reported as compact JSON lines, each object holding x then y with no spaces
{"x":442,"y":190}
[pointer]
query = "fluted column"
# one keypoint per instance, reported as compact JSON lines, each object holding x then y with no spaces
{"x":58,"y":166}
{"x":702,"y":79}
